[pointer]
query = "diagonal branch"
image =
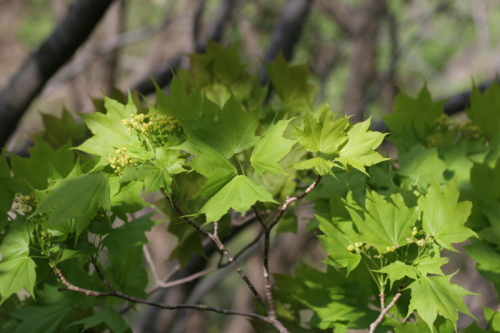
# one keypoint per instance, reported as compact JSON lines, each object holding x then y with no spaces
{"x":384,"y":311}
{"x":132,"y":299}
{"x":43,"y":63}
{"x":215,"y":238}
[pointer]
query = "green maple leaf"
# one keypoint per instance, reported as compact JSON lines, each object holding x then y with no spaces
{"x":158,"y":176}
{"x":319,"y":164}
{"x":154,"y":178}
{"x":228,"y":130}
{"x":126,"y":274}
{"x":443,"y":216}
{"x":335,"y":244}
{"x":271,"y":148}
{"x":492,"y":317}
{"x":486,"y":180}
{"x":385,"y":223}
{"x":398,"y":270}
{"x":474,"y":328}
{"x":109,"y":132}
{"x":212,"y":165}
{"x":17,"y":269}
{"x":290,"y":82}
{"x":431,"y":294}
{"x":239,"y":194}
{"x":325,"y":136}
{"x":179,"y":104}
{"x":360,"y":148}
{"x":420,"y":165}
{"x":484,"y":109}
{"x":487,"y":260}
{"x":58,"y":131}
{"x":109,"y":316}
{"x":413,"y":119}
{"x":79,"y":198}
{"x":42,"y":159}
{"x":128,"y":235}
{"x":430,"y":265}
{"x":48,"y":319}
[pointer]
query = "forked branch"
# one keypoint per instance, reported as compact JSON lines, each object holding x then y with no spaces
{"x":384,"y":309}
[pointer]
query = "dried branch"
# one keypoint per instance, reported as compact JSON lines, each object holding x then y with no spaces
{"x":129,"y":298}
{"x":43,"y":63}
{"x":384,"y":311}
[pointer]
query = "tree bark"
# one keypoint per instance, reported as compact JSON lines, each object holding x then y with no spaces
{"x":42,"y":64}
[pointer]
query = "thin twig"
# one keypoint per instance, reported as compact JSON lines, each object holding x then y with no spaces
{"x":259,"y":217}
{"x":214,"y":237}
{"x":384,"y":311}
{"x":114,"y":293}
{"x":289,"y":200}
{"x":103,"y":279}
{"x":151,"y":264}
{"x":382,"y":301}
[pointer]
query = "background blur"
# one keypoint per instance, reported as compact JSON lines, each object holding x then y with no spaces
{"x":359,"y":53}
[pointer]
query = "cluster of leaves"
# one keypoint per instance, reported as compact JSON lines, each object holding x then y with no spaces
{"x":217,"y":148}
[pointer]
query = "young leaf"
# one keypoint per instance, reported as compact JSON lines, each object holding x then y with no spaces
{"x":413,"y":119}
{"x":128,"y":235}
{"x":360,"y":149}
{"x":487,"y":259}
{"x":436,"y":293}
{"x":212,"y":165}
{"x":326,"y":136}
{"x":385,"y":224}
{"x":443,"y":216}
{"x":126,"y":274}
{"x":154,"y":178}
{"x":486,"y":180}
{"x":110,"y":133}
{"x":431,"y":265}
{"x":239,"y":194}
{"x":398,"y":270}
{"x":270,"y":149}
{"x":335,"y":245}
{"x":79,"y":198}
{"x":229,"y":131}
{"x":319,"y":164}
{"x":17,"y":269}
{"x":108,"y":316}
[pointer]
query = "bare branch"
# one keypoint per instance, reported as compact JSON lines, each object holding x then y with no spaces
{"x":42,"y":64}
{"x":215,"y":238}
{"x":384,"y":311}
{"x":289,"y":200}
{"x":269,"y":295}
{"x":118,"y":294}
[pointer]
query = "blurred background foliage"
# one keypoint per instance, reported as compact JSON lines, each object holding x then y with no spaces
{"x":444,"y":44}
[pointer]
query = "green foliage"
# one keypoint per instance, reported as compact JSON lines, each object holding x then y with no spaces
{"x":217,"y":150}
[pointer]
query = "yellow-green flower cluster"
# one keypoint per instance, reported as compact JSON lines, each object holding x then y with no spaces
{"x":148,"y":123}
{"x":24,"y":203}
{"x":420,"y":242}
{"x":120,"y":161}
{"x":471,"y":130}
